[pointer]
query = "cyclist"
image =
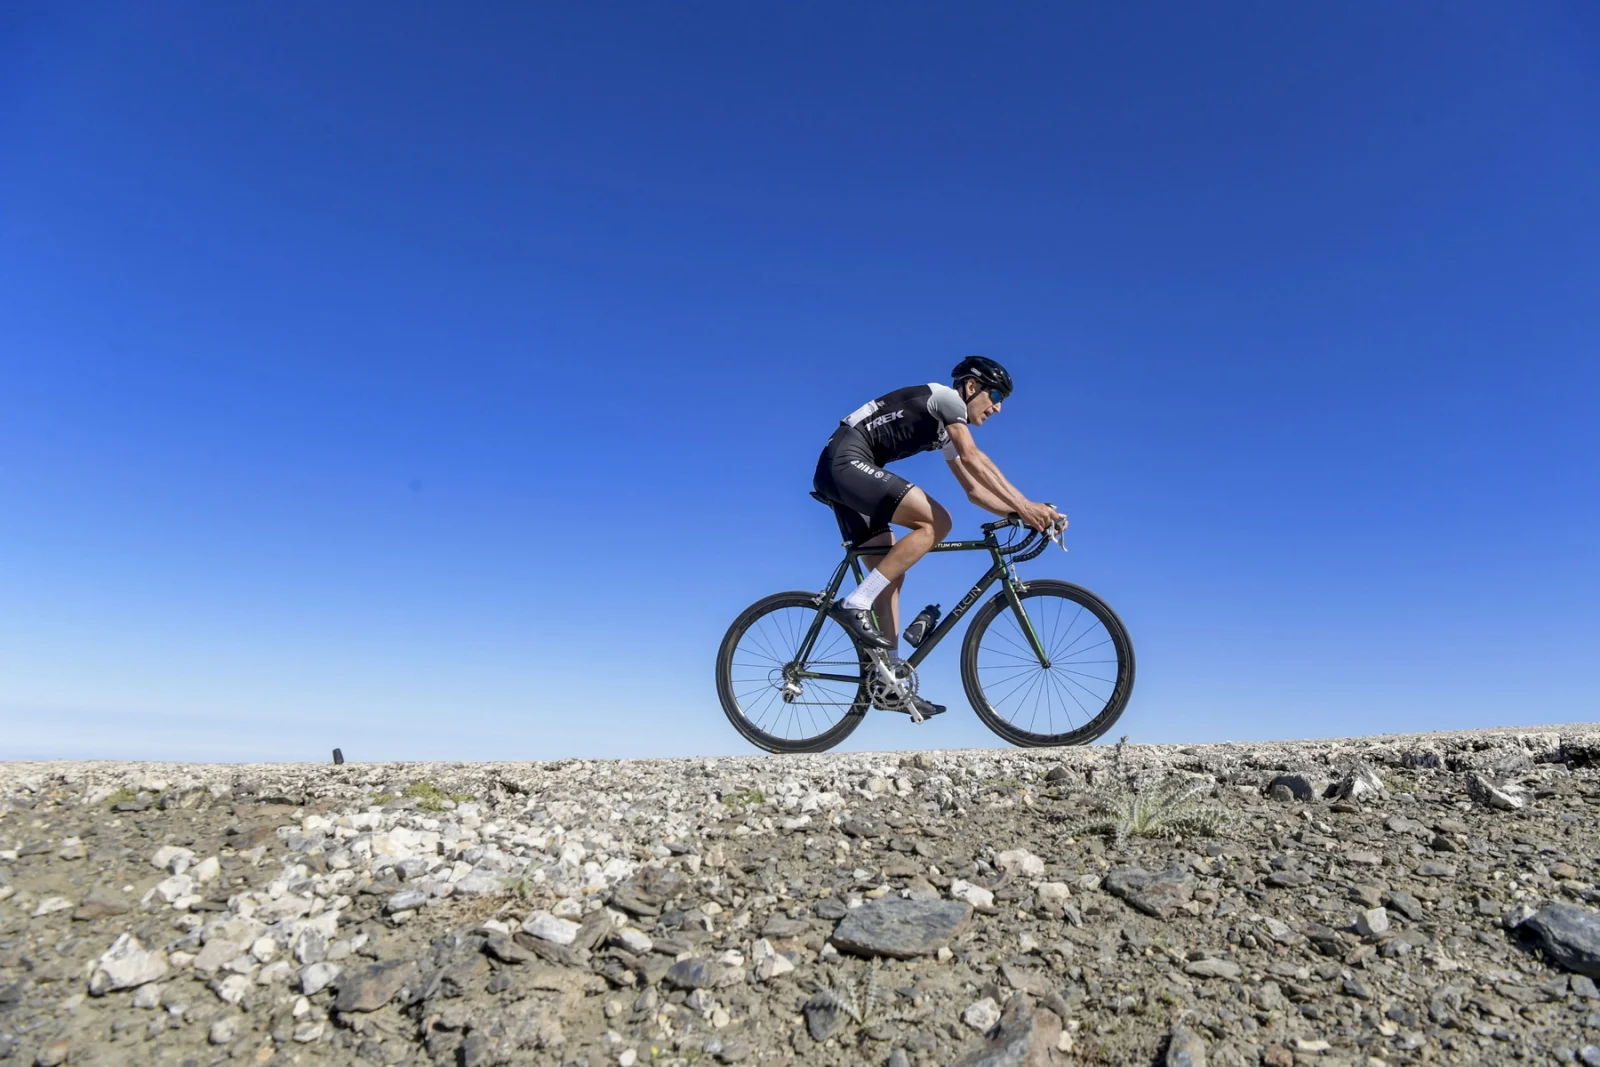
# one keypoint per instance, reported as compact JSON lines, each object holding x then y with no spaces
{"x":867,"y":498}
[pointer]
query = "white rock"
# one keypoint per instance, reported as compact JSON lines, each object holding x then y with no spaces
{"x":126,"y":965}
{"x":982,"y":1015}
{"x":547,"y":927}
{"x":975,"y":895}
{"x":276,"y":971}
{"x":172,"y":859}
{"x":317,"y":977}
{"x":207,"y":870}
{"x":1053,"y":892}
{"x":50,"y":905}
{"x":306,"y":1033}
{"x":635,"y":941}
{"x":264,"y":948}
{"x":224,"y":1030}
{"x":627,"y":1058}
{"x":1374,"y":922}
{"x":179,"y":885}
{"x":1020,"y":861}
{"x":233,"y":988}
{"x":568,"y":908}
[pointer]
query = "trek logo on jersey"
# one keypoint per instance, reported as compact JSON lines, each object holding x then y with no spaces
{"x":866,"y":468}
{"x":881,"y":419}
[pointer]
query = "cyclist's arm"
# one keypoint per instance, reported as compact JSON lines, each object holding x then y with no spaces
{"x":981,"y":469}
{"x":977,"y":493}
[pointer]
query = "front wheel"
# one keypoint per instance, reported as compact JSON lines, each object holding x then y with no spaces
{"x":1079,"y":694}
{"x":771,"y":692}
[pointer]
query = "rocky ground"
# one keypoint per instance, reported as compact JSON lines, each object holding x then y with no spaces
{"x":1417,"y":899}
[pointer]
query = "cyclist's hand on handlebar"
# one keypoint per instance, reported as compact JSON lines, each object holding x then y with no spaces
{"x":1042,"y":517}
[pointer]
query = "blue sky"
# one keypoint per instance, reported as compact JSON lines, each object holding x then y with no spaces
{"x":440,"y":382}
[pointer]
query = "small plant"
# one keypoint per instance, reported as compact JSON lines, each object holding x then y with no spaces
{"x":858,"y":998}
{"x":123,"y":795}
{"x":1171,"y":808}
{"x":744,"y":799}
{"x":430,"y":797}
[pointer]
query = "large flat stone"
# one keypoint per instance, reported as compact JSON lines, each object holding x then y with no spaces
{"x":1157,"y":893}
{"x":1568,"y":934}
{"x":901,"y":929}
{"x":370,"y":988}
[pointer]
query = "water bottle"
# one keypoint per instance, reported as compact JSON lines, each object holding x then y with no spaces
{"x":921,"y":626}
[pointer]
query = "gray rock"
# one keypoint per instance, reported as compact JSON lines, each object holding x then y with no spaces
{"x":1493,"y":795}
{"x":1287,"y":879}
{"x":1405,"y":904}
{"x":691,"y":974}
{"x":1374,"y":922}
{"x":1360,"y":783}
{"x":1569,"y":935}
{"x":1184,"y":1048}
{"x":316,"y":977}
{"x":1157,"y":893}
{"x":823,"y":1016}
{"x":1435,"y":869}
{"x":901,"y":929}
{"x":405,"y":900}
{"x":102,"y":902}
{"x":370,"y":988}
{"x":1294,"y":787}
{"x":1212,"y":968}
{"x":224,"y":1030}
{"x":1026,"y":1037}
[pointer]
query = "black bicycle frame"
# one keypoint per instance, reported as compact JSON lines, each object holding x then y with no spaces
{"x":998,"y":571}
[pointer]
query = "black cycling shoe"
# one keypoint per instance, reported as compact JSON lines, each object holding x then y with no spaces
{"x":857,"y":622}
{"x":927,"y":709}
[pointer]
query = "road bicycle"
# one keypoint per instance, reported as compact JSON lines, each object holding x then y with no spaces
{"x":1044,"y":662}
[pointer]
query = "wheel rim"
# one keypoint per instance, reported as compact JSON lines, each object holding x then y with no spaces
{"x":763,"y":662}
{"x":1072,"y":692}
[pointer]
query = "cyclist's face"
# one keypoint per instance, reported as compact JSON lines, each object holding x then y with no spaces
{"x":983,"y":403}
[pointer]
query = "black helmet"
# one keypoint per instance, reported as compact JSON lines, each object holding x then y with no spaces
{"x":987,"y":373}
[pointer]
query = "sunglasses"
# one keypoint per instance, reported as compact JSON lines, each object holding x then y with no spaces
{"x":996,"y":395}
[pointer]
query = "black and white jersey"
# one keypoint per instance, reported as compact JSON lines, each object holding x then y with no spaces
{"x":908,"y":421}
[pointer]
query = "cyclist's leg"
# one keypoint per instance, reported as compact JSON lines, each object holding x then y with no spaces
{"x":929,"y":524}
{"x":887,"y":606}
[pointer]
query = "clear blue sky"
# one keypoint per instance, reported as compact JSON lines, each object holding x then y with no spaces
{"x":438,"y":381}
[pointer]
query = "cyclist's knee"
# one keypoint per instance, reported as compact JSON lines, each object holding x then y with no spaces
{"x":942,"y":522}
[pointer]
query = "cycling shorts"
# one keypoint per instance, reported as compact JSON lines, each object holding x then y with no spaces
{"x":864,"y":495}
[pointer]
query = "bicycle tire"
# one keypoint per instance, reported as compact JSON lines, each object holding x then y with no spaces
{"x":1121,"y":688}
{"x":728,"y":692}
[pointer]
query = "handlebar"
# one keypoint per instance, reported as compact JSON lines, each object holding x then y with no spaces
{"x":1011,"y":520}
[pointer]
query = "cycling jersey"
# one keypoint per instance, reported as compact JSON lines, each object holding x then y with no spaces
{"x":908,"y":421}
{"x":850,"y":472}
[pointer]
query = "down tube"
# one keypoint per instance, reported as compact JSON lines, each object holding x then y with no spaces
{"x":944,"y":627}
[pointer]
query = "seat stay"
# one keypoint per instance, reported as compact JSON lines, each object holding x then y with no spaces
{"x":824,"y":602}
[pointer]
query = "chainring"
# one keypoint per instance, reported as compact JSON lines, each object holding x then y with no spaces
{"x":884,"y":697}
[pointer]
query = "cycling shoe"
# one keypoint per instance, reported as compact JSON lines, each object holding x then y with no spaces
{"x":926,"y":709}
{"x":857,"y":622}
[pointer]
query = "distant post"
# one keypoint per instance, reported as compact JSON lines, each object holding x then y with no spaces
{"x":338,"y":757}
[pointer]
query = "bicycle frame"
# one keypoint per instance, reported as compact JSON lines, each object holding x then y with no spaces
{"x":999,"y":571}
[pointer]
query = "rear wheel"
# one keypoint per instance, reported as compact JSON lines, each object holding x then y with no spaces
{"x":1078,"y":696}
{"x":761,"y":692}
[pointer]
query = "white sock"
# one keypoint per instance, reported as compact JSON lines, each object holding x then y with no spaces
{"x":866,"y":592}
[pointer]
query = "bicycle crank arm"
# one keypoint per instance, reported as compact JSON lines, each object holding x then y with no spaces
{"x":886,"y":675}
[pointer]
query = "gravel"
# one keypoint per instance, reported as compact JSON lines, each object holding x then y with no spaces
{"x":1427,"y":898}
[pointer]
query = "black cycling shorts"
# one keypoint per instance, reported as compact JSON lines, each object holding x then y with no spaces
{"x":863,"y":494}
